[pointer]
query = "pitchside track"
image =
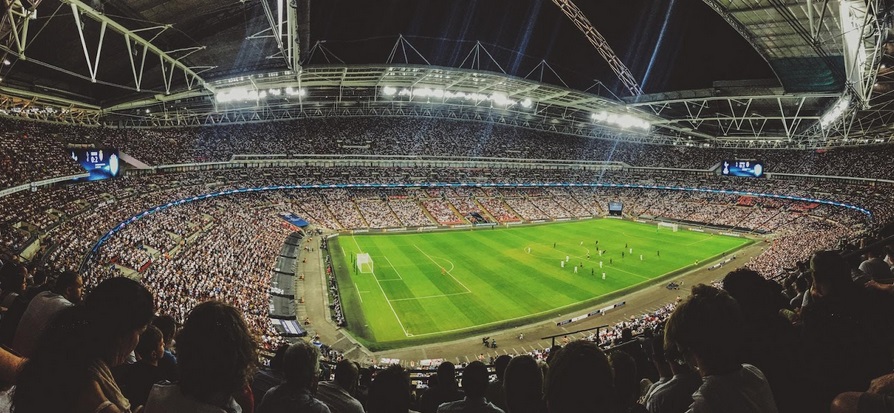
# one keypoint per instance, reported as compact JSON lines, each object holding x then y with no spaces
{"x":429,"y":287}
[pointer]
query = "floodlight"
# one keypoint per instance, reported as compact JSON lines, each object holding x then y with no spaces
{"x":389,"y":91}
{"x":527,"y":103}
{"x":302,"y":92}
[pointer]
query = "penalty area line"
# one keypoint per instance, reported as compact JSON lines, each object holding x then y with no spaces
{"x":442,"y":268}
{"x":389,"y":304}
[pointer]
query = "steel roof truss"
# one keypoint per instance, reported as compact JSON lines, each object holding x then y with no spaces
{"x":93,"y":67}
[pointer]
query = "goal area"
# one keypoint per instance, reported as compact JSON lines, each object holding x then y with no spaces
{"x":364,"y":263}
{"x":673,"y":227}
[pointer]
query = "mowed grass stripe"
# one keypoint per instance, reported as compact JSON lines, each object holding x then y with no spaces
{"x":503,"y":281}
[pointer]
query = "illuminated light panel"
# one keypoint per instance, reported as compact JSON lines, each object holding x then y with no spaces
{"x":497,"y":98}
{"x":623,"y":121}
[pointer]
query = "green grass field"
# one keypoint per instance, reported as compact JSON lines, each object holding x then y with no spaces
{"x":434,"y":286}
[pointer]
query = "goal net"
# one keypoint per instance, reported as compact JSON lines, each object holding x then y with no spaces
{"x":673,"y":227}
{"x":364,"y":263}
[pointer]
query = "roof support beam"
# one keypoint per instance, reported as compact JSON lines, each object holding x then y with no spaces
{"x":601,"y":45}
{"x":14,"y":24}
{"x":168,"y":64}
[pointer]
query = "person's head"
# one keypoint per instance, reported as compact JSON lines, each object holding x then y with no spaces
{"x":523,"y":385}
{"x":69,"y":285}
{"x":56,"y":374}
{"x":279,"y":357}
{"x":705,"y":329}
{"x":347,"y":374}
{"x":875,"y":252}
{"x":626,"y":378}
{"x":216,"y":353}
{"x":389,"y":391}
{"x":167,"y":326}
{"x":580,"y":380}
{"x":13,"y":278}
{"x":830,"y":272}
{"x":447,"y":375}
{"x":475,"y":379}
{"x":500,"y":365}
{"x":301,"y":364}
{"x":751,"y":291}
{"x":151,"y":346}
{"x":119,"y":310}
{"x":106,"y":328}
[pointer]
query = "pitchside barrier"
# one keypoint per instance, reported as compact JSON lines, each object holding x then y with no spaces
{"x":593,"y":313}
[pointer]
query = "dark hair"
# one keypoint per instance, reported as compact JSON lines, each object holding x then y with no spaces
{"x":475,"y":379}
{"x":389,"y":391}
{"x":626,"y":379}
{"x":830,"y":269}
{"x":523,"y":385}
{"x":707,"y":323}
{"x":12,"y":277}
{"x":500,"y":365}
{"x":167,"y":326}
{"x":301,"y":364}
{"x":278,"y":356}
{"x":149,"y":342}
{"x":64,"y":281}
{"x":347,"y":374}
{"x":116,"y":308}
{"x":447,"y":375}
{"x":57,"y":373}
{"x":754,"y":293}
{"x":216,"y":353}
{"x":580,"y":380}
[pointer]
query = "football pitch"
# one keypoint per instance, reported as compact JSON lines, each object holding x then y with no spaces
{"x":428,"y":287}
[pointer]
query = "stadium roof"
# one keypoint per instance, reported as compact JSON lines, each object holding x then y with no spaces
{"x":699,"y":79}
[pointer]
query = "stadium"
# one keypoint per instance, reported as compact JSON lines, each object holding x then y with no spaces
{"x":614,"y":194}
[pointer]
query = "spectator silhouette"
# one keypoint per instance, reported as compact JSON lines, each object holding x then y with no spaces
{"x":706,"y":329}
{"x":495,"y":392}
{"x":580,"y":380}
{"x":389,"y":391}
{"x":168,"y":362}
{"x":475,"y":379}
{"x":301,"y":368}
{"x":846,"y":331}
{"x":70,"y":366}
{"x":216,"y":355}
{"x":523,"y":386}
{"x":66,"y":292}
{"x":137,"y":379}
{"x":769,"y":341}
{"x":338,"y":394}
{"x":627,"y":384}
{"x":675,"y":394}
{"x":268,"y":377}
{"x":445,"y":391}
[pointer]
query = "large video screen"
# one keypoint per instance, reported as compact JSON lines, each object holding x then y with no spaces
{"x":615,"y":206}
{"x":101,"y":163}
{"x":739,"y":167}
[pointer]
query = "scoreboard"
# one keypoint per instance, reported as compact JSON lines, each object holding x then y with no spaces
{"x":101,"y":163}
{"x":739,"y":167}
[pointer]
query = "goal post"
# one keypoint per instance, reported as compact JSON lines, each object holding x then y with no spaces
{"x":364,"y":263}
{"x":673,"y":227}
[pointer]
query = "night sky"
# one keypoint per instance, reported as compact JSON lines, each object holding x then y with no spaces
{"x":667,"y":44}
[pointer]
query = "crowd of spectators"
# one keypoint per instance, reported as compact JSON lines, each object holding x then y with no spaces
{"x":31,"y":151}
{"x":432,"y":137}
